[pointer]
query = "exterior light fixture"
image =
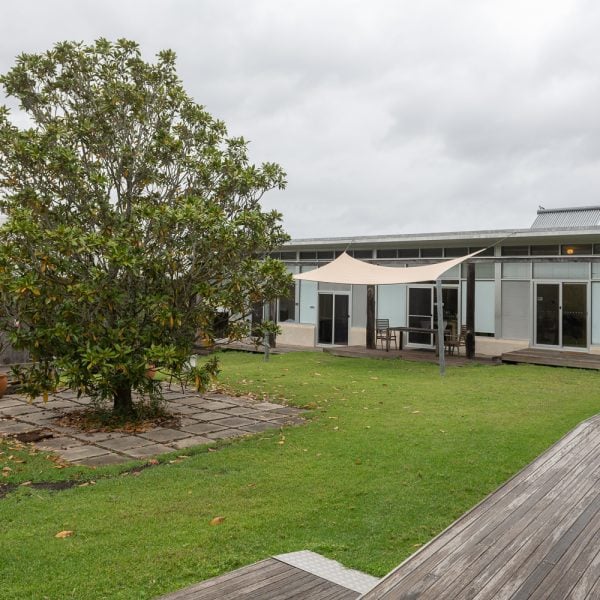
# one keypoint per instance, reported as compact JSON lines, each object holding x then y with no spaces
{"x":569,"y":250}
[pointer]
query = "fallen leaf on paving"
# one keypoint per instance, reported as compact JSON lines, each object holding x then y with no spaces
{"x":63,"y":534}
{"x":217,"y":520}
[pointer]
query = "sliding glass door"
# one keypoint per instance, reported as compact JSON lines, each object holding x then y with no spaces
{"x":561,"y":315}
{"x":334,"y":316}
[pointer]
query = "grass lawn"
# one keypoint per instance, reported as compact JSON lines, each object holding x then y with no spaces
{"x":392,"y":455}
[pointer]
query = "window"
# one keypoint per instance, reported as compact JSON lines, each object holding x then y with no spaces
{"x":515,"y":250}
{"x":387,"y":253}
{"x":288,"y":256}
{"x":308,"y":255}
{"x":408,"y":253}
{"x":574,"y":249}
{"x":544,"y":250}
{"x":361,"y":253}
{"x":325,"y":255}
{"x":486,"y":252}
{"x":287,"y":305}
{"x":431,"y":252}
{"x":455,"y":252}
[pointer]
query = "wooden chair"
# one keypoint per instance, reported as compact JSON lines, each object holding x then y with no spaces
{"x":454,"y":342}
{"x":383,"y":333}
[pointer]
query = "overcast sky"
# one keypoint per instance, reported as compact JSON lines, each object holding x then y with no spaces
{"x":398,"y":116}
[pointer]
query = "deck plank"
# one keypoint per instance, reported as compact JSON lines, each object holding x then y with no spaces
{"x":536,"y":534}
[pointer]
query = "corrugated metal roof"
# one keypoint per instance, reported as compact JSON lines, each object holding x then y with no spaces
{"x":567,"y":217}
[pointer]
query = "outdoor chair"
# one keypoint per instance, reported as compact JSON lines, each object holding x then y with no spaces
{"x":383,"y":333}
{"x":454,"y":342}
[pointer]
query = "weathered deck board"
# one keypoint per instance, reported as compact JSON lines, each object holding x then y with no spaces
{"x":553,"y":358}
{"x":268,"y":579}
{"x":537,"y":536}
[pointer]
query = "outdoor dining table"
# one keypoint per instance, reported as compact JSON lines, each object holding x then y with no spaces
{"x":401,"y":331}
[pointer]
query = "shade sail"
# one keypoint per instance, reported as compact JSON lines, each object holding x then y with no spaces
{"x":348,"y":270}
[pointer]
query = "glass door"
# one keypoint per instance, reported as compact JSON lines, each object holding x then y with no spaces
{"x":420,"y":315}
{"x":574,"y":315}
{"x":333,"y":319}
{"x":547,"y":320}
{"x":450,"y":308}
{"x":340,"y":319}
{"x":561,"y":315}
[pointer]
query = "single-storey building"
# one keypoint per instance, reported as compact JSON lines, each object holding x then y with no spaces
{"x":536,"y":287}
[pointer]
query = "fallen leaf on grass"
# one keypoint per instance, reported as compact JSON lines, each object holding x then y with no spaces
{"x":217,"y":520}
{"x":26,"y":483}
{"x":152,"y":461}
{"x":64,"y":534}
{"x":414,"y":412}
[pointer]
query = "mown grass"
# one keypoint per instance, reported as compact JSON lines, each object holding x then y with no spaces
{"x":392,"y":455}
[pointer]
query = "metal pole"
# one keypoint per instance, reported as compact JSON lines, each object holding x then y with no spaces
{"x":440,"y":322}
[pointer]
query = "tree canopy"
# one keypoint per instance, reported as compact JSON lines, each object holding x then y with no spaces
{"x":132,"y":219}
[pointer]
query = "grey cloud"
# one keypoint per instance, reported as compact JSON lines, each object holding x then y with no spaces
{"x":389,"y":117}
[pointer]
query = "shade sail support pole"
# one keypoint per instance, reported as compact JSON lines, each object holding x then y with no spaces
{"x":440,"y":324}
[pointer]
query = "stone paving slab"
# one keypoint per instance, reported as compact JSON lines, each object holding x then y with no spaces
{"x":203,"y":419}
{"x":225,"y":433}
{"x":210,"y":416}
{"x":82,"y":452}
{"x":195,"y":440}
{"x":59,"y":443}
{"x":15,"y":411}
{"x":102,"y":460}
{"x":203,"y":428}
{"x":12,"y":426}
{"x":148,"y":451}
{"x":124,"y":443}
{"x":235,"y":422}
{"x":164,"y":435}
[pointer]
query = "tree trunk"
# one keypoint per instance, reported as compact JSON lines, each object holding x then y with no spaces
{"x":122,"y":400}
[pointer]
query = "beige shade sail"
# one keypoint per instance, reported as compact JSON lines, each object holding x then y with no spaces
{"x":348,"y":270}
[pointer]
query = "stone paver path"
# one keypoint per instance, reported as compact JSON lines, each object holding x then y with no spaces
{"x":203,"y":418}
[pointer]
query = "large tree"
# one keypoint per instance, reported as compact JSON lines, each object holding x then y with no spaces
{"x":132,"y":219}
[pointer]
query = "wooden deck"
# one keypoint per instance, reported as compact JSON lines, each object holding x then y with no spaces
{"x":294,"y":576}
{"x":536,"y":537}
{"x":553,"y":358}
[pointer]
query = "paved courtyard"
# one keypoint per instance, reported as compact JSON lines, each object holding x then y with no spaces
{"x":202,"y":419}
